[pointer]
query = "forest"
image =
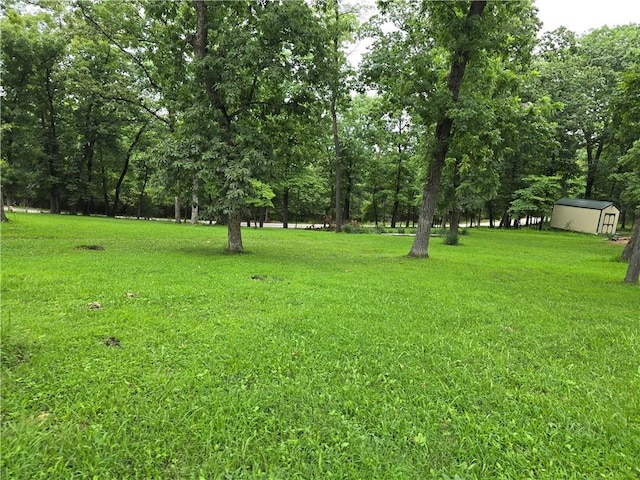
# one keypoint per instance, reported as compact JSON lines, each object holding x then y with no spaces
{"x":251,"y":111}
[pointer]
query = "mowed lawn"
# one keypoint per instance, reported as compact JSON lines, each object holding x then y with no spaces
{"x":513,"y":355}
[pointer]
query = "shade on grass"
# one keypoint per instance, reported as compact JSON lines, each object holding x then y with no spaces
{"x":316,"y":355}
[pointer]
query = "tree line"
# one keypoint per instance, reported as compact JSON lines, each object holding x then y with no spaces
{"x":249,"y":110}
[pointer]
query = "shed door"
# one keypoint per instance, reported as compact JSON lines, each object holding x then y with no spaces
{"x":608,"y":224}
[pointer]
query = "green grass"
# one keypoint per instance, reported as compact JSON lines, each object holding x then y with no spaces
{"x":315,"y":355}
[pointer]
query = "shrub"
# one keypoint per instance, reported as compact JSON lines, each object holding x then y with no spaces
{"x":353,"y":227}
{"x":451,"y":238}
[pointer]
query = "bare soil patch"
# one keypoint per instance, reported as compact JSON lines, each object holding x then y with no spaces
{"x":90,"y":247}
{"x":619,"y":240}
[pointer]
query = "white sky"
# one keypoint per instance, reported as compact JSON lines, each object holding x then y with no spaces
{"x":579,"y":16}
{"x":583,"y":15}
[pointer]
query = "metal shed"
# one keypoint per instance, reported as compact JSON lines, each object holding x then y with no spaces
{"x":588,"y":216}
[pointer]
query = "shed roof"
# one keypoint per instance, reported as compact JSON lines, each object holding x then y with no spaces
{"x":582,"y":203}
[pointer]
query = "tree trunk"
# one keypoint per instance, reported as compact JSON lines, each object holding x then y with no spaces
{"x":396,"y":192}
{"x":141,"y":197}
{"x":592,"y":166}
{"x":105,"y":193}
{"x":346,"y":215}
{"x":199,"y":42}
{"x":194,"y":200}
{"x":285,"y":208}
{"x":336,"y":148}
{"x":52,"y":147}
{"x":455,"y":221}
{"x":176,"y":210}
{"x":505,"y":221}
{"x":375,"y":209}
{"x":455,"y":211}
{"x":234,"y":234}
{"x":125,"y":167}
{"x":492,"y":221}
{"x":336,"y":139}
{"x":420,"y":247}
{"x":443,"y":135}
{"x":89,"y":150}
{"x":88,"y":153}
{"x":635,"y":238}
{"x":633,"y":270}
{"x":3,"y":215}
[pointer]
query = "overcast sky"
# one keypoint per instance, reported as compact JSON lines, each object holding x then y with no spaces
{"x":579,"y":16}
{"x":583,"y":15}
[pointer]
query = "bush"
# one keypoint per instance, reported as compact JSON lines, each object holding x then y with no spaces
{"x":451,"y":238}
{"x":353,"y":227}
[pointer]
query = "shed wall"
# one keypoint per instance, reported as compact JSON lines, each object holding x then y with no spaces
{"x":585,"y":220}
{"x":575,"y":219}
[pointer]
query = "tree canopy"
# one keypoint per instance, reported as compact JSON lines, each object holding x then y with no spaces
{"x":235,"y":110}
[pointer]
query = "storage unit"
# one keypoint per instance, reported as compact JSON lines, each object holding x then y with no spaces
{"x":588,"y":216}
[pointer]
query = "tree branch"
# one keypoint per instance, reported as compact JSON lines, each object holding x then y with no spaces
{"x":138,"y":104}
{"x":113,"y":41}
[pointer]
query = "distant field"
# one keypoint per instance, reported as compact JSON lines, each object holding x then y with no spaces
{"x":135,"y":349}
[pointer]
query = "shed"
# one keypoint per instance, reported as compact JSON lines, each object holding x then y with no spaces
{"x":588,"y":216}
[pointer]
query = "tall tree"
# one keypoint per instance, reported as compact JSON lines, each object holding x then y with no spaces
{"x":436,"y":41}
{"x":338,"y":27}
{"x":582,"y":74}
{"x":244,"y":53}
{"x":462,"y":53}
{"x":33,"y":48}
{"x":633,"y":270}
{"x":3,"y":214}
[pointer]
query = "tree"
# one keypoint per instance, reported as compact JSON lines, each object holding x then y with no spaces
{"x":607,"y":52}
{"x":224,"y":69}
{"x":33,"y":46}
{"x":537,"y":199}
{"x":632,"y":194}
{"x":298,"y":135}
{"x":582,"y":73}
{"x":337,"y":28}
{"x":125,"y":169}
{"x":3,"y":214}
{"x":633,"y":270}
{"x":425,"y":62}
{"x":66,"y":115}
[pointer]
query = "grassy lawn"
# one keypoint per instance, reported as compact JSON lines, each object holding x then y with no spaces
{"x":316,"y":355}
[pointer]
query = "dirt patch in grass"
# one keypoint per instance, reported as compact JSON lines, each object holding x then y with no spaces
{"x":111,"y":342}
{"x":266,"y":278}
{"x":619,"y":241}
{"x":90,"y":247}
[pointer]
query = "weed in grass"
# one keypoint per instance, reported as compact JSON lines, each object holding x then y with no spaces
{"x":316,"y":356}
